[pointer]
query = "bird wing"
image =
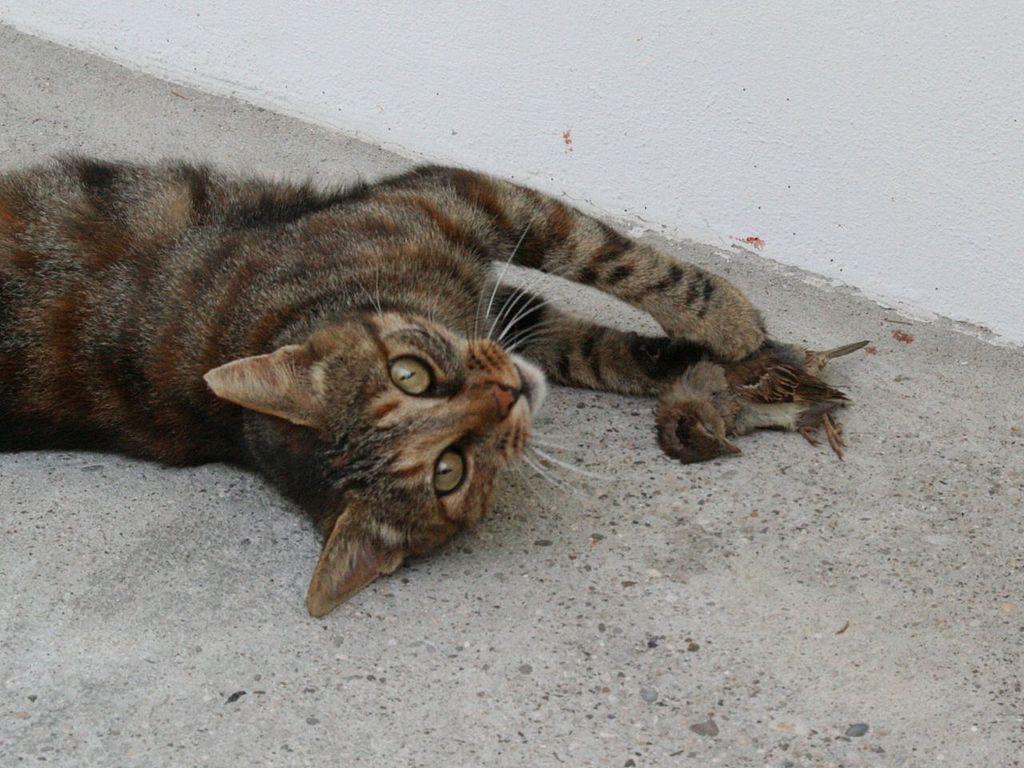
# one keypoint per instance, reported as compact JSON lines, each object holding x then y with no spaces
{"x":768,"y":380}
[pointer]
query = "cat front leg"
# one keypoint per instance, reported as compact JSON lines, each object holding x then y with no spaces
{"x":690,"y":303}
{"x":505,"y":222}
{"x":702,"y":307}
{"x":576,"y":352}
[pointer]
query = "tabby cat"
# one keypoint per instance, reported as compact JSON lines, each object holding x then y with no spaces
{"x":353,"y":345}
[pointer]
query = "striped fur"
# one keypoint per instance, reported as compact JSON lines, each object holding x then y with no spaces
{"x":122,"y":286}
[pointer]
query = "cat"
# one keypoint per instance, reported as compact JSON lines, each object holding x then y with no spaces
{"x":351,"y":345}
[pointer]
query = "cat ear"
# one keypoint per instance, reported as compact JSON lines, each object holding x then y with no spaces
{"x":280,"y":384}
{"x":348,"y":563}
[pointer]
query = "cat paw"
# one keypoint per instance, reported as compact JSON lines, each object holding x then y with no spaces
{"x":733,"y":326}
{"x":723,"y":320}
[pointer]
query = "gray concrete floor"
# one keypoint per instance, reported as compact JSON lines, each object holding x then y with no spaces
{"x":155,"y":617}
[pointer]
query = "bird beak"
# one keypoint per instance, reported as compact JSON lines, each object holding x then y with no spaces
{"x":725,"y":448}
{"x":728,"y":448}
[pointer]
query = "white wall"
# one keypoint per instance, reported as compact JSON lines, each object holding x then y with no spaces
{"x":877,"y":142}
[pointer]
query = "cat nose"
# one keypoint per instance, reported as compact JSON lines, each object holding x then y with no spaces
{"x":504,"y":398}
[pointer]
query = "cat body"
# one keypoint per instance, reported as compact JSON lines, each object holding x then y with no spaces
{"x":351,"y":345}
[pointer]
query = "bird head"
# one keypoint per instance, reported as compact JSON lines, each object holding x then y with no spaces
{"x":692,"y":431}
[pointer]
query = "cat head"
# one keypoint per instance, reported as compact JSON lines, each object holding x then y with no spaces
{"x":391,"y":429}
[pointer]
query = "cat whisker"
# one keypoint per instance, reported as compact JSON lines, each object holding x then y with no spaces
{"x":513,"y":299}
{"x":533,"y":335}
{"x":566,"y":465}
{"x":374,"y":303}
{"x":377,"y":281}
{"x":523,"y":313}
{"x":522,"y":289}
{"x":548,"y":444}
{"x":527,"y":484}
{"x":504,"y":270}
{"x":476,"y":316}
{"x":544,"y":325}
{"x":536,"y":468}
{"x":523,"y":302}
{"x":557,"y":483}
{"x":509,"y":301}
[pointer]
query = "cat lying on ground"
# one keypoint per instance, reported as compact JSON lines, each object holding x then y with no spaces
{"x":353,"y":346}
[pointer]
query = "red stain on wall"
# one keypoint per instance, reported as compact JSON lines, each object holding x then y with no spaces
{"x":903,"y":336}
{"x":567,"y":139}
{"x":753,"y":240}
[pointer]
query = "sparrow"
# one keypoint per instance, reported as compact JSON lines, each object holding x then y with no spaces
{"x":777,"y":387}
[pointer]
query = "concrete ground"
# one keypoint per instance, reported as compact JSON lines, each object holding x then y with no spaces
{"x":781,"y":608}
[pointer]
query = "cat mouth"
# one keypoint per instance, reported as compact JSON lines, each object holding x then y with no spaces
{"x":534,"y":386}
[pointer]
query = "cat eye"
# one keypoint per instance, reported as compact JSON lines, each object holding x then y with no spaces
{"x":411,"y":375}
{"x":449,"y":471}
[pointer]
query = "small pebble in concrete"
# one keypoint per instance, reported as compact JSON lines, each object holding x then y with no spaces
{"x":525,"y":669}
{"x":708,"y":728}
{"x":235,"y":697}
{"x":649,"y":695}
{"x":857,"y":729}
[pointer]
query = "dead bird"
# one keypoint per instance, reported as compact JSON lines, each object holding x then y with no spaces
{"x":778,"y":387}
